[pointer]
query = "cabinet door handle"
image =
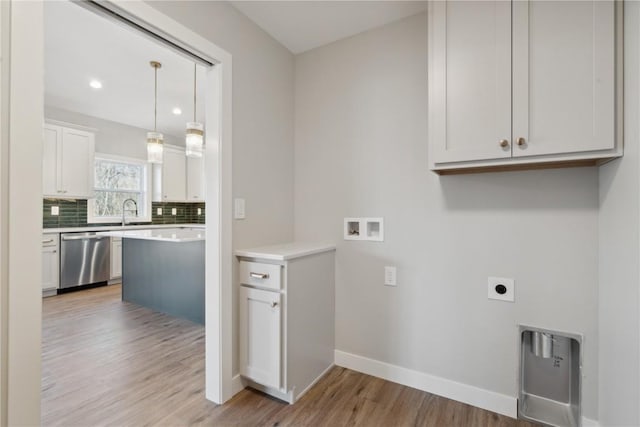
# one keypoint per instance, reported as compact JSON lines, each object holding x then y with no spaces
{"x":521,"y":142}
{"x":504,"y":143}
{"x":259,"y":275}
{"x":274,"y":304}
{"x":54,"y":251}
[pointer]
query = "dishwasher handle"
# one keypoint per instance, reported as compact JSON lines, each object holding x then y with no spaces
{"x":83,"y":237}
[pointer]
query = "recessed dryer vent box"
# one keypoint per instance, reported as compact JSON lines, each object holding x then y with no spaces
{"x":364,"y":229}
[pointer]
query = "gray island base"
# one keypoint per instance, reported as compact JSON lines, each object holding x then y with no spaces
{"x":166,"y":276}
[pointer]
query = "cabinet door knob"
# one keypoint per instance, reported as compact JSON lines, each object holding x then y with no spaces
{"x":274,"y":304}
{"x":504,"y":143}
{"x":521,"y":142}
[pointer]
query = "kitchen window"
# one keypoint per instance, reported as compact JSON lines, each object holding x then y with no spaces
{"x":115,"y":180}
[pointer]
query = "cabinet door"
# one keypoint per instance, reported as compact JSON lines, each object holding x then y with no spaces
{"x":76,"y":163}
{"x":116,"y":259}
{"x":469,"y":80}
{"x":563,"y":76}
{"x":52,"y":140}
{"x":195,"y":179}
{"x":50,"y":267}
{"x":260,"y":336}
{"x":174,"y":186}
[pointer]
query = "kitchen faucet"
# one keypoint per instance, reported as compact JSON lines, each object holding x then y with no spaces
{"x":124,"y":211}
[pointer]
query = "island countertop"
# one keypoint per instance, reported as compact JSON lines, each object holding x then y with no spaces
{"x":161,"y":234}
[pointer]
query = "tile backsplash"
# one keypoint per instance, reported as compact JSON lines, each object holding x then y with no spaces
{"x":73,"y":213}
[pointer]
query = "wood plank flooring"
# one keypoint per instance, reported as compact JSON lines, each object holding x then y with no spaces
{"x":111,"y":363}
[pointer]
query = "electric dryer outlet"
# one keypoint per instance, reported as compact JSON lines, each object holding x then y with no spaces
{"x":501,"y":288}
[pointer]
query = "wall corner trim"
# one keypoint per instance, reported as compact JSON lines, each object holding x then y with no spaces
{"x":481,"y":398}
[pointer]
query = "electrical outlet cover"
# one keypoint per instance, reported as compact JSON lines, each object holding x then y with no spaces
{"x":55,"y":210}
{"x":496,"y":284}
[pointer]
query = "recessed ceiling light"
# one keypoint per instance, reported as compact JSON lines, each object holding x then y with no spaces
{"x":96,"y":84}
{"x":176,"y":111}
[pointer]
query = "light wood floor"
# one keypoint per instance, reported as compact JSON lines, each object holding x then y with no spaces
{"x":106,"y":362}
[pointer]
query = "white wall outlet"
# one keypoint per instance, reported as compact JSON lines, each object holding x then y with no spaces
{"x":55,"y":210}
{"x":159,"y":211}
{"x":199,"y":211}
{"x":501,"y":288}
{"x":174,"y":211}
{"x":238,"y":209}
{"x":390,"y":276}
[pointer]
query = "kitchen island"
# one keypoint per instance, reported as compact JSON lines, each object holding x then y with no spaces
{"x":164,"y":269}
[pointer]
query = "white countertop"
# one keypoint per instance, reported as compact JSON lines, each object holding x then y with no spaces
{"x":119,"y":227}
{"x":286,"y":251}
{"x":161,"y":234}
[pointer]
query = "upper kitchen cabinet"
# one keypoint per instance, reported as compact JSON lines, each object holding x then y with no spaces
{"x":178,"y":178}
{"x":67,"y":162}
{"x":195,"y":179}
{"x":521,"y":85}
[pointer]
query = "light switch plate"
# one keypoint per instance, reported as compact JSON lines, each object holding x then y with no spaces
{"x":174,"y":211}
{"x":159,"y":211}
{"x":238,"y":209}
{"x":497,"y":284}
{"x":55,"y":210}
{"x":390,"y":276}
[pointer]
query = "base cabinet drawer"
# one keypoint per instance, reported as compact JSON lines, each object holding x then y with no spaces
{"x":261,"y":274}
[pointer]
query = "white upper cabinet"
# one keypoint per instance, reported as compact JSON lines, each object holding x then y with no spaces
{"x":518,"y":84}
{"x":470,"y":80}
{"x":179,"y":178}
{"x":67,"y":162}
{"x":195,"y":179}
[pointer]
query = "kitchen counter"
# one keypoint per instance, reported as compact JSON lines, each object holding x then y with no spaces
{"x":119,"y":227}
{"x":161,"y":234}
{"x":286,"y":251}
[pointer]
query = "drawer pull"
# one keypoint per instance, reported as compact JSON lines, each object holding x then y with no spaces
{"x":259,"y":275}
{"x":47,"y":241}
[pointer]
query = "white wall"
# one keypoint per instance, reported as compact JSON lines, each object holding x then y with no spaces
{"x":262,"y":121}
{"x":262,"y":117}
{"x":361,"y":150}
{"x":619,"y":295}
{"x":111,"y":137}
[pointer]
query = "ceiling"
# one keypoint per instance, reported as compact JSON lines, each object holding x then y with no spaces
{"x":119,"y":57}
{"x":304,"y":25}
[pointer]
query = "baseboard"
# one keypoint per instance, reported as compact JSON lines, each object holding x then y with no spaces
{"x":475,"y":396}
{"x":481,"y":398}
{"x":236,"y":385}
{"x":587,"y":422}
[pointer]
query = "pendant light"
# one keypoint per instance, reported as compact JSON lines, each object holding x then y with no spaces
{"x":195,"y":130}
{"x":155,"y":138}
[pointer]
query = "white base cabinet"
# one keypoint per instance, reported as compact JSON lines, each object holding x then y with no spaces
{"x":286,"y":317}
{"x":116,"y":258}
{"x":50,"y":263}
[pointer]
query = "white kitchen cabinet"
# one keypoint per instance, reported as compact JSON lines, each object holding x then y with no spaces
{"x":50,"y":263}
{"x":170,"y":177}
{"x":523,"y":84}
{"x":286,"y":325}
{"x":195,"y":179}
{"x":260,"y":349}
{"x":116,"y":258}
{"x":179,"y":178}
{"x":67,"y":162}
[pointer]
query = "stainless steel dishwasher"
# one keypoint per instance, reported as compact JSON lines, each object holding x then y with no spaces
{"x":84,"y":259}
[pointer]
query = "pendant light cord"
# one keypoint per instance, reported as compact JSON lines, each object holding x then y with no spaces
{"x":155,"y":101}
{"x":194,"y":92}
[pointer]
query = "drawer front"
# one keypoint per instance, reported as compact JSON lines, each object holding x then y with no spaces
{"x":260,"y":274}
{"x":50,"y":239}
